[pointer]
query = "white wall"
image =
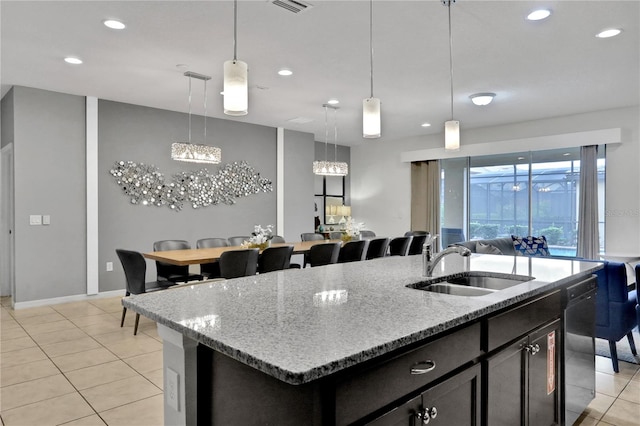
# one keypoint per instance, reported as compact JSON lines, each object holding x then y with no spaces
{"x":381,"y":182}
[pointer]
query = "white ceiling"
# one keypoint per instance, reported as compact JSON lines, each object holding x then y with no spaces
{"x":537,"y":69}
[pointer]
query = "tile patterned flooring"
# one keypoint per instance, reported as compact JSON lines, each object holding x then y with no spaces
{"x":72,"y":364}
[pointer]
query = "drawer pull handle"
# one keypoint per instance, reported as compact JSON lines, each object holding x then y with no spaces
{"x":423,"y":367}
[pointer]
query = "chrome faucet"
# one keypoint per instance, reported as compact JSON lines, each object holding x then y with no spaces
{"x":429,"y":261}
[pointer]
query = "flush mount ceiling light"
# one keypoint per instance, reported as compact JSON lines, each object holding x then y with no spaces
{"x":236,"y":82}
{"x":285,"y":72}
{"x":538,"y":15}
{"x":482,"y":99}
{"x":73,"y":60}
{"x":426,"y":124}
{"x":335,"y":167}
{"x":451,"y":127}
{"x":611,"y":32}
{"x":114,"y":24}
{"x":371,"y":105}
{"x":196,"y":153}
{"x":333,"y":102}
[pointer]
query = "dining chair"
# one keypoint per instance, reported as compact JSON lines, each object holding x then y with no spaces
{"x":615,"y":308}
{"x":399,"y":246}
{"x":238,"y":241}
{"x":378,"y":247}
{"x":415,"y":246}
{"x":324,"y":254}
{"x":211,"y":270}
{"x":335,"y":235}
{"x":278,"y":239}
{"x":174,"y":273}
{"x":367,"y":235}
{"x":239,"y":263}
{"x":135,"y":269}
{"x":352,"y":251}
{"x":274,"y":259}
{"x":309,"y":236}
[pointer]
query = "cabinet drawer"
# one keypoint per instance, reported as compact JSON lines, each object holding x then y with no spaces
{"x":365,"y":391}
{"x":522,"y":319}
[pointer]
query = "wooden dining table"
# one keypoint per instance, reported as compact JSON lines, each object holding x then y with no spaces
{"x":210,"y":255}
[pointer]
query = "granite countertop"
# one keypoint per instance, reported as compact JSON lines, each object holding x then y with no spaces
{"x":301,"y":325}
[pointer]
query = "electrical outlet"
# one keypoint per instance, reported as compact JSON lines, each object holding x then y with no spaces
{"x":46,"y":219}
{"x":172,"y":389}
{"x":35,"y":219}
{"x":109,"y":266}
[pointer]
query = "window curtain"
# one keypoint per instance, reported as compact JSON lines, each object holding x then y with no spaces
{"x":588,"y":235}
{"x":425,"y":196}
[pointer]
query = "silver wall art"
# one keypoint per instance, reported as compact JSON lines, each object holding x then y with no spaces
{"x":144,"y":184}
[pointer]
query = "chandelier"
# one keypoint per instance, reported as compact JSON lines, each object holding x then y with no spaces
{"x":330,"y":168}
{"x":196,"y":153}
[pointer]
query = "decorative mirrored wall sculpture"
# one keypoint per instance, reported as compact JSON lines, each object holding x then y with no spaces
{"x":144,"y":184}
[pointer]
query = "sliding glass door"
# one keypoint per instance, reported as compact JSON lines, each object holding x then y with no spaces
{"x":529,"y":193}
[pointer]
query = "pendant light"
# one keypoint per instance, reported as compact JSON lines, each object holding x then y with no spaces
{"x":451,"y":127}
{"x":196,"y":153}
{"x":330,"y":168}
{"x":236,"y":92}
{"x":371,"y":105}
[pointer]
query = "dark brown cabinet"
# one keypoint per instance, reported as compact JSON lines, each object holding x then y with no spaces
{"x":522,"y":380}
{"x":456,"y":401}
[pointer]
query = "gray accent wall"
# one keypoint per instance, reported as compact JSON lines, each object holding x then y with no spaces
{"x":49,"y":179}
{"x":141,"y":134}
{"x":298,"y":187}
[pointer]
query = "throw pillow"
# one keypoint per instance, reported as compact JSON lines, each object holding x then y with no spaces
{"x":530,"y":246}
{"x":487,"y":249}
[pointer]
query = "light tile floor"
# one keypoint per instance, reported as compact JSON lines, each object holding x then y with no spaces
{"x":72,"y":364}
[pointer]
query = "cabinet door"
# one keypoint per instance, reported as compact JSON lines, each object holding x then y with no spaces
{"x":543,"y":389}
{"x":506,"y":386}
{"x":456,"y":401}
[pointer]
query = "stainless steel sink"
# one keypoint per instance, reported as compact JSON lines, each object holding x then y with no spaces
{"x":470,"y":283}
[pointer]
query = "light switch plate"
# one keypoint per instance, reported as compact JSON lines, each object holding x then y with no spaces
{"x":172,"y":390}
{"x":35,"y":219}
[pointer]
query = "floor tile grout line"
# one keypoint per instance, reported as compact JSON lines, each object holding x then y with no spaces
{"x":67,"y":378}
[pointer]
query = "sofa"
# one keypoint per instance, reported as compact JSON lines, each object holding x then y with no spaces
{"x":617,"y":309}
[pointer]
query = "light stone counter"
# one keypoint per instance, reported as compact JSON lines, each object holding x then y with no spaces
{"x":301,"y":325}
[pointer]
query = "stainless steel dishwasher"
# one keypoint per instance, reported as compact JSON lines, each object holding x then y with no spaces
{"x":579,"y":345}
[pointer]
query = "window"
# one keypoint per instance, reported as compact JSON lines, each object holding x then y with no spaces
{"x":532,"y":193}
{"x":329,"y":191}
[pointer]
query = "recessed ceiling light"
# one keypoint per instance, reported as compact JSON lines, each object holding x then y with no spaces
{"x":113,"y":24}
{"x":482,"y":99}
{"x":426,"y":124}
{"x":612,"y":32}
{"x":285,"y":72}
{"x":539,"y":14}
{"x":520,"y":158}
{"x":333,"y":102}
{"x":566,"y":154}
{"x":72,"y":60}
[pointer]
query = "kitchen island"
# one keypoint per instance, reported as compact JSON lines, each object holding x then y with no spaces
{"x":324,"y":345}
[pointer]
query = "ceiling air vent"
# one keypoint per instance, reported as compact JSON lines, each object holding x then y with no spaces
{"x":292,"y":5}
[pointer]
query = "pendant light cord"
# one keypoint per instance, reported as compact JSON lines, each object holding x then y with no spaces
{"x":326,"y":132}
{"x":335,"y":135}
{"x":450,"y":56}
{"x":205,"y":112}
{"x":189,"y":109}
{"x":371,"y":41}
{"x":235,"y":30}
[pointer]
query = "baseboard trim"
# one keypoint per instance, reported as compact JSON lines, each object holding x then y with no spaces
{"x":67,"y":299}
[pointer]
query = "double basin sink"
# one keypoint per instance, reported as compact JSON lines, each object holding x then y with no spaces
{"x":470,"y":283}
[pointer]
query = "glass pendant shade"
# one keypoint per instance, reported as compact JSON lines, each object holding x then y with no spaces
{"x":236,"y":93}
{"x":452,"y":135}
{"x":371,"y":118}
{"x":330,"y":168}
{"x":194,"y":153}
